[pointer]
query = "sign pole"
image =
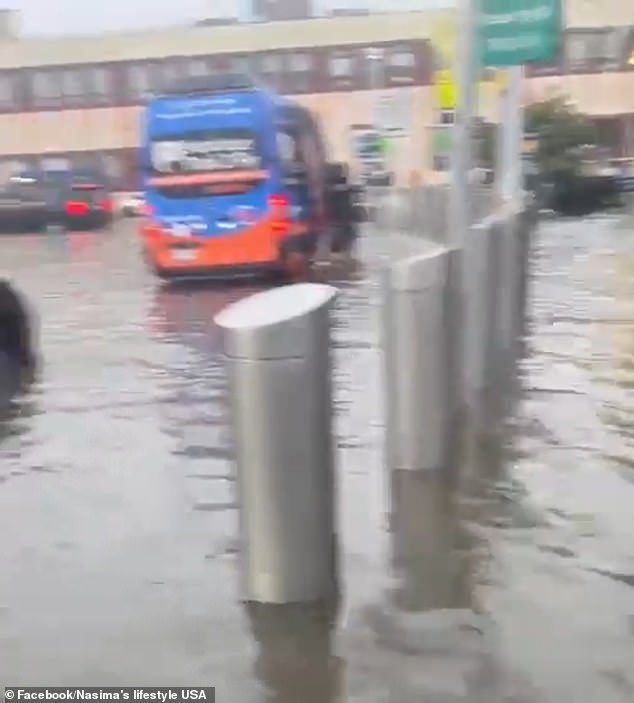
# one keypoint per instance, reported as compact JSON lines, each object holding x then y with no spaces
{"x":461,"y":207}
{"x":509,"y":141}
{"x":516,"y":82}
{"x":513,"y":33}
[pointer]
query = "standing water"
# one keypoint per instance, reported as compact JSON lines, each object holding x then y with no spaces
{"x":118,"y":522}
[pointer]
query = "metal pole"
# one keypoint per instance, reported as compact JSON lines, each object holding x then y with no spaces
{"x":460,"y":209}
{"x":510,"y":191}
{"x":510,"y":132}
{"x":277,"y":350}
{"x":462,"y":147}
{"x":516,"y":81}
{"x":416,"y":344}
{"x":480,"y":303}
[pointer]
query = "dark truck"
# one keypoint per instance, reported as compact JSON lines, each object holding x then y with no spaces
{"x":78,"y":199}
{"x":74,"y":199}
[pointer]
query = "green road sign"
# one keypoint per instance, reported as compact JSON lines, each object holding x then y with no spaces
{"x":516,"y":32}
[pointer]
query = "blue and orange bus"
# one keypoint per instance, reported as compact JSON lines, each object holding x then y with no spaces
{"x":234,"y":179}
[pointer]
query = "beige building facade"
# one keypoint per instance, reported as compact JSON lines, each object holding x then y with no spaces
{"x":79,"y":99}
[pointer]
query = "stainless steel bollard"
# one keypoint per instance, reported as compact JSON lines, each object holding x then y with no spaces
{"x":277,"y":350}
{"x":506,"y":239}
{"x":478,"y":311}
{"x":416,"y":329}
{"x":527,"y":223}
{"x":440,"y":219}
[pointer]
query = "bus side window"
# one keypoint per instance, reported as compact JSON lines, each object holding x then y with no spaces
{"x":290,"y":153}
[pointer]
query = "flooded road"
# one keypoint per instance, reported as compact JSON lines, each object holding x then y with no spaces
{"x":118,"y":520}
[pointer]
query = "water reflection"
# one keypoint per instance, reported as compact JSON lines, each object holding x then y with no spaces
{"x":187,"y":310}
{"x":296,"y":661}
{"x":430,"y":546}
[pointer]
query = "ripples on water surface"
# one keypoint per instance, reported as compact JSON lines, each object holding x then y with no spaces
{"x":118,"y":518}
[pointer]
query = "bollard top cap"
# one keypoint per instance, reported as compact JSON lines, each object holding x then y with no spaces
{"x":273,"y":324}
{"x":422,"y":271}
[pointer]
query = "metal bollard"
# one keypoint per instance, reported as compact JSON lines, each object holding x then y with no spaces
{"x":507,"y":241}
{"x":478,"y":310}
{"x":416,"y":329}
{"x":277,"y":349}
{"x":429,"y":545}
{"x":527,"y":222}
{"x":442,"y":221}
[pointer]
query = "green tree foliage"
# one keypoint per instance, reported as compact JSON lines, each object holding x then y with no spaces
{"x":561,"y":132}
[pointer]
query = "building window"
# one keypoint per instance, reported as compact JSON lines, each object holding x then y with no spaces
{"x":74,"y":87}
{"x":594,"y":50}
{"x":347,"y":68}
{"x":112,"y":166}
{"x":240,"y":64}
{"x":197,"y":67}
{"x":401,"y":66}
{"x":55,"y":163}
{"x":139,"y":82}
{"x":46,"y":88}
{"x":169,"y":72}
{"x":447,"y":117}
{"x":300,"y":72}
{"x":7,"y":91}
{"x":341,"y":67}
{"x":269,"y":69}
{"x":402,"y":58}
{"x":97,"y":79}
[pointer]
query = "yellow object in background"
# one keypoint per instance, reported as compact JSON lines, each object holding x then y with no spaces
{"x":443,"y":41}
{"x":447,"y":93}
{"x":501,"y":79}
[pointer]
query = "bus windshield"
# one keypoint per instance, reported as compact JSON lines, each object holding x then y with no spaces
{"x":205,"y":162}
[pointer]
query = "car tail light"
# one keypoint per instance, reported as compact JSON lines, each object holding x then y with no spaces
{"x":73,"y":207}
{"x":106,"y":205}
{"x":279,"y":207}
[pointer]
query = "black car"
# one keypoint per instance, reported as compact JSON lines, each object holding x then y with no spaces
{"x":73,"y":199}
{"x":23,"y":206}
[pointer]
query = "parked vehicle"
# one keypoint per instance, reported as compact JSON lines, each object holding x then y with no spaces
{"x":74,"y":199}
{"x":22,"y":206}
{"x":234,"y":179}
{"x":133,"y":205}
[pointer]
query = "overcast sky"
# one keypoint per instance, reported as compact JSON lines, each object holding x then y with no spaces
{"x":80,"y":16}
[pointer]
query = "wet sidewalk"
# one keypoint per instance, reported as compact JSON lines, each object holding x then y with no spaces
{"x":118,"y":522}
